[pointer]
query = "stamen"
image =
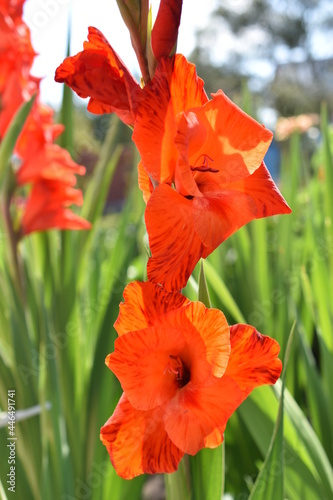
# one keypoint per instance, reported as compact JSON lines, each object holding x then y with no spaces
{"x":176,"y":366}
{"x":204,"y":167}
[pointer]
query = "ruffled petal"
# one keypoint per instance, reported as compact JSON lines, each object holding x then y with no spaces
{"x":47,"y":208}
{"x":253,"y":359}
{"x":99,"y":73}
{"x":137,"y":442}
{"x":188,"y":130}
{"x":174,"y":244}
{"x":174,"y":88}
{"x":211,"y":326}
{"x":53,"y":219}
{"x":235,"y":144}
{"x":197,"y":416}
{"x":145,"y":304}
{"x":220,"y":213}
{"x":206,"y":348}
{"x":142,"y":361}
{"x":51,"y":163}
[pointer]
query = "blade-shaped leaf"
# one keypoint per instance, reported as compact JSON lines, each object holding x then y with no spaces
{"x":7,"y":145}
{"x":269,"y":483}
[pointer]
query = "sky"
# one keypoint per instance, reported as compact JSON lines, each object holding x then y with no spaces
{"x":48,"y":21}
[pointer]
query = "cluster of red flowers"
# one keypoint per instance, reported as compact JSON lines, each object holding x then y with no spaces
{"x":183,"y":370}
{"x":44,"y":165}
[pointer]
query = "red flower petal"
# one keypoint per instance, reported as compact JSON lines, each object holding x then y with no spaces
{"x":46,"y":208}
{"x":165,"y":30}
{"x":253,"y":362}
{"x":137,"y":442}
{"x":221,"y":212}
{"x":56,"y":219}
{"x":140,"y":361}
{"x":99,"y":73}
{"x":174,"y":88}
{"x":38,"y":130}
{"x":207,"y":345}
{"x":253,"y":358}
{"x":213,"y":330}
{"x":191,"y":341}
{"x":174,"y":245}
{"x":233,"y":141}
{"x":197,"y":416}
{"x":145,"y":183}
{"x":144,"y":305}
{"x":197,"y":411}
{"x":51,"y":163}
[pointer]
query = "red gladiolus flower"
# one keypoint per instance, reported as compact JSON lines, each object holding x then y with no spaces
{"x":16,"y":52}
{"x":13,"y":8}
{"x":37,"y":131}
{"x":46,"y":208}
{"x":183,"y":372}
{"x":99,"y":73}
{"x":47,"y":167}
{"x":52,"y":173}
{"x":202,"y":170}
{"x":16,"y":58}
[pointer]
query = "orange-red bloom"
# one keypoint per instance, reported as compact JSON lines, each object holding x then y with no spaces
{"x":52,"y":173}
{"x":13,"y":8}
{"x":16,"y":58}
{"x":183,"y":372}
{"x":99,"y":73}
{"x":47,"y":167}
{"x":47,"y":208}
{"x":202,"y":170}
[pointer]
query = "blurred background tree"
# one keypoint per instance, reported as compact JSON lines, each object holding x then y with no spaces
{"x":281,"y":49}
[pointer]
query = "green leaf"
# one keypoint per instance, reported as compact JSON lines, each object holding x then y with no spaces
{"x":176,"y":484}
{"x":269,"y":484}
{"x":7,"y":145}
{"x":97,"y":191}
{"x":203,"y":293}
{"x":66,"y":139}
{"x":207,"y":474}
{"x":223,"y":293}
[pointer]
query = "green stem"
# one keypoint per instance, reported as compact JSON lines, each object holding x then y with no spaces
{"x":177,"y":484}
{"x":223,"y":470}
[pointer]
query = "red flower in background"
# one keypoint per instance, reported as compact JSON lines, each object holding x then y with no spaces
{"x":47,"y":207}
{"x":184,"y":373}
{"x":202,"y":170}
{"x":12,"y":8}
{"x":16,"y":58}
{"x":47,"y":167}
{"x":52,"y":173}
